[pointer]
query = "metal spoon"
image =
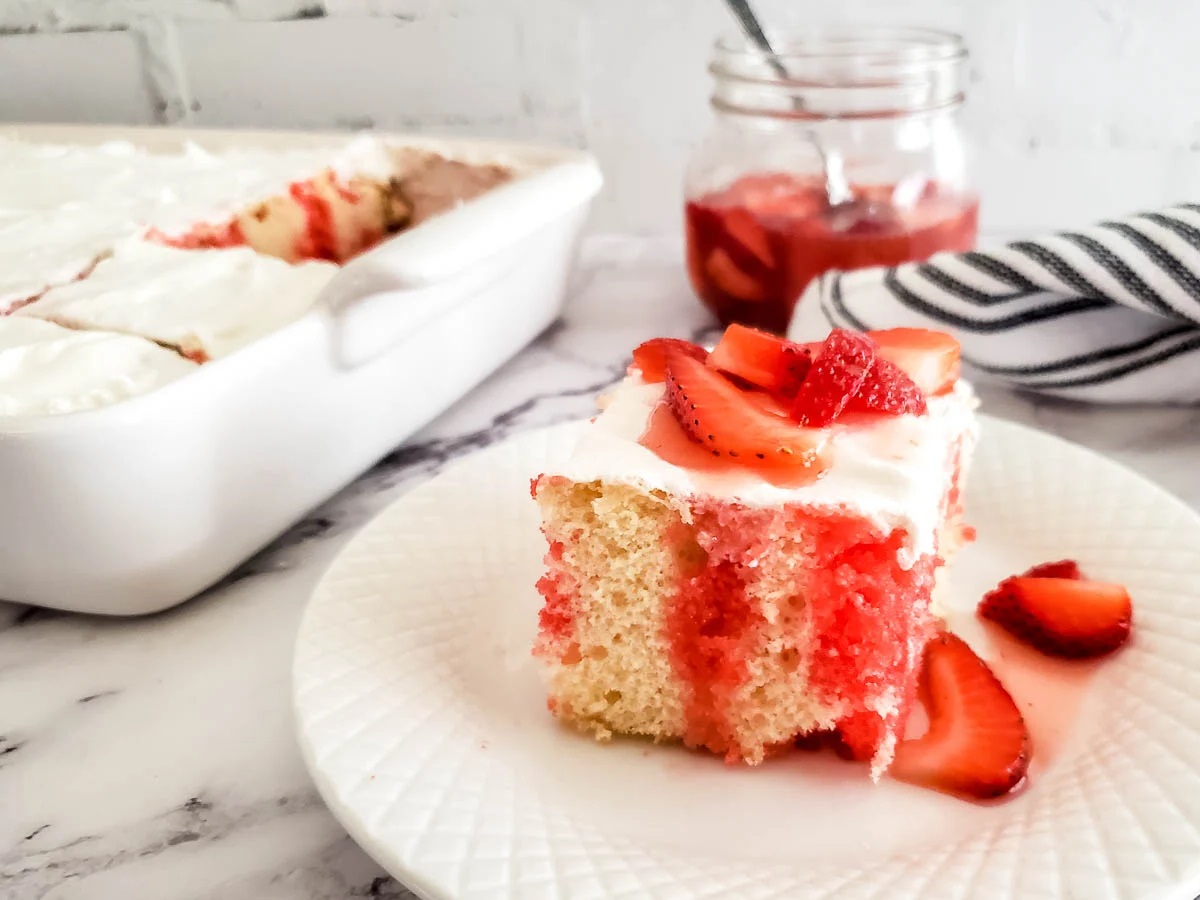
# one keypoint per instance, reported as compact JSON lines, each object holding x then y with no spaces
{"x":837,"y":190}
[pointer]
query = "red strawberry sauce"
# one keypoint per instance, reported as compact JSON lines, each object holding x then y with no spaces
{"x":320,"y":236}
{"x":669,"y":442}
{"x":204,"y":237}
{"x":754,"y":246}
{"x":557,"y":616}
{"x":867,"y":614}
{"x":706,"y":625}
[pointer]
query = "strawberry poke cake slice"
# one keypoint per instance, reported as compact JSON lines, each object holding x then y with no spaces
{"x":744,"y":545}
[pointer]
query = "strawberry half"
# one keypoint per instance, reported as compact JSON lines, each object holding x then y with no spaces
{"x":650,"y":358}
{"x":747,"y":235}
{"x":721,"y":417}
{"x":930,"y":358}
{"x":1068,"y":617}
{"x":837,"y":374}
{"x":732,"y":279}
{"x":977,"y":745}
{"x":761,"y":359}
{"x":888,"y":390}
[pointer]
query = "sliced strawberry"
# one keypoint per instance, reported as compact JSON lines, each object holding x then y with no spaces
{"x":743,"y":229}
{"x":1064,"y":568}
{"x":977,"y":744}
{"x":1065,"y":617}
{"x":732,"y":279}
{"x":650,"y":358}
{"x":930,"y":358}
{"x":837,"y":374}
{"x":720,"y":416}
{"x":887,"y":389}
{"x":761,"y":359}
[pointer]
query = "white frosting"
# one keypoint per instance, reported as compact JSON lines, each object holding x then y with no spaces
{"x":48,"y":370}
{"x":208,"y":301}
{"x":172,"y":192}
{"x":892,"y":472}
{"x":49,"y":248}
{"x":63,"y":207}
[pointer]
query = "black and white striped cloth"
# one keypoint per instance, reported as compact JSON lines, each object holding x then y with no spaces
{"x":1109,"y":314}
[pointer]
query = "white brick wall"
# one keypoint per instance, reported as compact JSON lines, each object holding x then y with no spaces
{"x":1079,"y":108}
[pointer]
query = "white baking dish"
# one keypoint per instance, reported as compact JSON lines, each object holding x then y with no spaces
{"x":135,"y":507}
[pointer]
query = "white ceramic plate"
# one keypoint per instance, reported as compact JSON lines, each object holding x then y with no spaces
{"x":423,"y":721}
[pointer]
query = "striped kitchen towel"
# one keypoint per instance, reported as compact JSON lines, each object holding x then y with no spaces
{"x":1109,"y":314}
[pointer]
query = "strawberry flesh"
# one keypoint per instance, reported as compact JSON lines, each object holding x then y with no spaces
{"x":888,"y":390}
{"x":1068,"y":617}
{"x":731,"y":278}
{"x":747,"y":235}
{"x":932,"y":359}
{"x":977,"y":745}
{"x":722,"y":418}
{"x":650,"y":358}
{"x":764,"y":360}
{"x":837,"y":374}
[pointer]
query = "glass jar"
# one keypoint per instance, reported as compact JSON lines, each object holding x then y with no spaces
{"x":842,"y":151}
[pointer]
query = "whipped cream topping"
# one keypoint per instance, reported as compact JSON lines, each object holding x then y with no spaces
{"x":49,"y":370}
{"x":207,"y":303}
{"x":158,"y":190}
{"x":62,"y":208}
{"x":50,"y":248}
{"x":892,"y":472}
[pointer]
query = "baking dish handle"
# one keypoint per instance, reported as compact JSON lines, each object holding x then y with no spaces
{"x":446,"y":245}
{"x":389,"y":292}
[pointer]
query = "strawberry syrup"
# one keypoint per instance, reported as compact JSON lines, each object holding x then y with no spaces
{"x":1049,"y":692}
{"x":204,"y":237}
{"x":320,"y":235}
{"x":753,"y":247}
{"x":670,"y":443}
{"x":706,"y":625}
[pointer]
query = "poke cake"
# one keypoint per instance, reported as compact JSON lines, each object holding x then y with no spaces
{"x":173,"y":259}
{"x":745,"y":546}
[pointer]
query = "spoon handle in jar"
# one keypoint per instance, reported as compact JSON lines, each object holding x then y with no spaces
{"x":750,"y":24}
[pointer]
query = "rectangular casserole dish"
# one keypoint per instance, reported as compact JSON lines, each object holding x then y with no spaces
{"x":135,"y":507}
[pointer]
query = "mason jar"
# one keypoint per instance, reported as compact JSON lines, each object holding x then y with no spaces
{"x":842,"y":150}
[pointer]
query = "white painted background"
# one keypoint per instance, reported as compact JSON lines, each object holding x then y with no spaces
{"x":1078,"y":108}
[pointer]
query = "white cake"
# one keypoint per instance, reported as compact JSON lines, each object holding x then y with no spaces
{"x":162,"y":258}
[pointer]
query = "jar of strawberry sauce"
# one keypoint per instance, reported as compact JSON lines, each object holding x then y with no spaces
{"x":840,"y":151}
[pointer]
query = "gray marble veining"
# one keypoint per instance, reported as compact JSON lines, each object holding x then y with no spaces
{"x":154,"y":758}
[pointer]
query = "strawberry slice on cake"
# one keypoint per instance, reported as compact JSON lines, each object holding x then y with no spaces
{"x":744,"y":544}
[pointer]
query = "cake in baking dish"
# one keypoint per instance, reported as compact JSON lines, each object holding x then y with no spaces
{"x":202,"y":305}
{"x":744,"y":545}
{"x":196,"y":252}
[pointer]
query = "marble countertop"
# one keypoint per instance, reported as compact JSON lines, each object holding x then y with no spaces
{"x":154,"y":758}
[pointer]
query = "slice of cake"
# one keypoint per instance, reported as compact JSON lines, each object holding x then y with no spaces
{"x":364,"y":193}
{"x":49,"y":370}
{"x":744,"y":546}
{"x":205,"y":303}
